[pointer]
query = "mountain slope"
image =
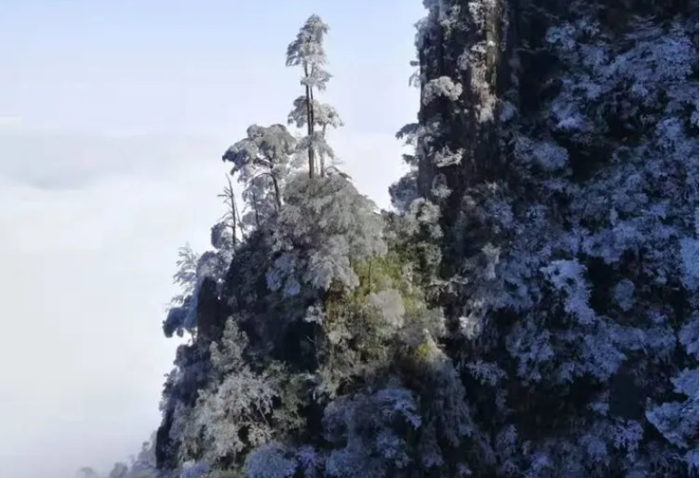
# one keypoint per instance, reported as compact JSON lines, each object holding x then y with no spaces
{"x":530,"y":309}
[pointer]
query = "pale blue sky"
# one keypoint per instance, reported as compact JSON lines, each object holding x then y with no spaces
{"x":113,"y":118}
{"x":196,"y":65}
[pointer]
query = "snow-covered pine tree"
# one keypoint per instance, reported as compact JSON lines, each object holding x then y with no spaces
{"x":262,"y":163}
{"x":307,"y":51}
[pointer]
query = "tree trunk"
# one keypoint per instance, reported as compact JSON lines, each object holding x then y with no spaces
{"x":240,"y":225}
{"x":278,"y":199}
{"x":321,"y":156}
{"x":234,"y":219}
{"x":255,"y":206}
{"x":309,"y":122}
{"x":278,"y":196}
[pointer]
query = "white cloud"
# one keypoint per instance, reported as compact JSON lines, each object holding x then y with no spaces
{"x":86,"y":274}
{"x":10,"y":122}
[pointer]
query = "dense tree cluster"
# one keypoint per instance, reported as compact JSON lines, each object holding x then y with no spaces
{"x":529,"y":309}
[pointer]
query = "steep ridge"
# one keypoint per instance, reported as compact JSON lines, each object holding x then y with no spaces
{"x":529,"y":309}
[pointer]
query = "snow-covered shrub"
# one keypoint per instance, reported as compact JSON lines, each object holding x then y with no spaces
{"x":324,"y":227}
{"x":443,"y":86}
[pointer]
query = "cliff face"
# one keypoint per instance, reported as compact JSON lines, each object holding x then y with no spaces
{"x":530,"y":310}
{"x":566,"y":175}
